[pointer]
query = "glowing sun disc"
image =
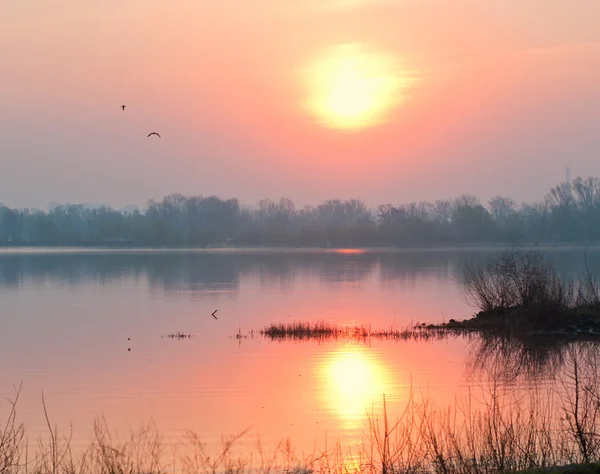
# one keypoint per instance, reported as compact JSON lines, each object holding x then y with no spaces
{"x":350,"y":87}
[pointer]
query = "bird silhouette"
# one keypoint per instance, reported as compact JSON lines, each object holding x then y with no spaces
{"x":154,"y":133}
{"x":213,"y":313}
{"x":123,"y":107}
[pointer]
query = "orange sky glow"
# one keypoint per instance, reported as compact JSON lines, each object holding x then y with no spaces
{"x":384,"y":100}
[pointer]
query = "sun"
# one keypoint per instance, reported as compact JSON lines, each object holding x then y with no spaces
{"x":351,"y":87}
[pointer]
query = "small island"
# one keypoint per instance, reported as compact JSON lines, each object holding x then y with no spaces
{"x":522,"y":294}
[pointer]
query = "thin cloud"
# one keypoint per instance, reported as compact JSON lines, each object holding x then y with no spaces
{"x":560,"y":48}
{"x":358,"y":3}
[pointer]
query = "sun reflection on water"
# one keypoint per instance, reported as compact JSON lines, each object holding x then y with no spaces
{"x":355,"y":380}
{"x":349,"y":251}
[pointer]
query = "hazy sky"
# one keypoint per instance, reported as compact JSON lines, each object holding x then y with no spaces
{"x":388,"y":101}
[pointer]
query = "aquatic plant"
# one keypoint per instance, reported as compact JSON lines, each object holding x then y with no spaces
{"x":322,"y":331}
{"x":179,"y":335}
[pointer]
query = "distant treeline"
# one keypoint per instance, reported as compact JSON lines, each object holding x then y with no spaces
{"x":569,"y":213}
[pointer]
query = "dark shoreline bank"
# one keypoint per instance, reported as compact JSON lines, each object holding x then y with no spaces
{"x":577,"y":324}
{"x":271,"y":248}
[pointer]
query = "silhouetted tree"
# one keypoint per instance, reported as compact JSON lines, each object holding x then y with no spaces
{"x":473,"y":223}
{"x":502,"y":208}
{"x":569,"y":212}
{"x":12,"y":225}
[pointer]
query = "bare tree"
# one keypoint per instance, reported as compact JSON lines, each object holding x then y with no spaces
{"x":561,"y":196}
{"x":501,"y":208}
{"x":587,"y":194}
{"x":442,"y":210}
{"x":466,"y":200}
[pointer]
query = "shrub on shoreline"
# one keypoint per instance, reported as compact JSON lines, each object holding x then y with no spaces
{"x":523,"y":290}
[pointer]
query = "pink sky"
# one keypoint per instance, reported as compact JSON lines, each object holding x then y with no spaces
{"x":507,"y":98}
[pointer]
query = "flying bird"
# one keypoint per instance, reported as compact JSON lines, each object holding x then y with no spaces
{"x":154,"y":133}
{"x":123,"y":107}
{"x":213,"y":313}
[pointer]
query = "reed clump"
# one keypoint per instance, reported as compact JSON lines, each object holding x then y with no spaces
{"x":179,"y":335}
{"x":322,"y":331}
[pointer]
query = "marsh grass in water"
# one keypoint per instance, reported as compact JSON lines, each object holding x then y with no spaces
{"x":322,"y":331}
{"x":179,"y":335}
{"x":497,"y":430}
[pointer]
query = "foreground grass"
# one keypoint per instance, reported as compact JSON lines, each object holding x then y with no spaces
{"x":592,"y":468}
{"x":502,"y":432}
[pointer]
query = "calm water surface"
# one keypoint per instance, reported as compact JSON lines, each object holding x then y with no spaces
{"x":67,"y":318}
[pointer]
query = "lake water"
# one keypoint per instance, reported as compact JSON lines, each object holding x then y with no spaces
{"x":69,"y":318}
